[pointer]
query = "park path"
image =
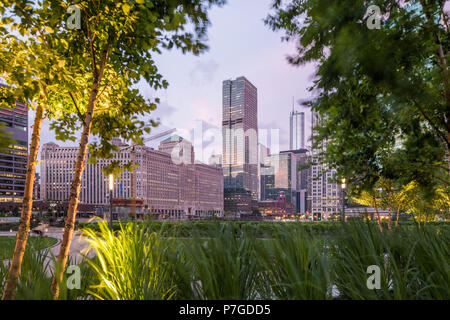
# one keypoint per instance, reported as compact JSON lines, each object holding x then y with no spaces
{"x":78,"y":247}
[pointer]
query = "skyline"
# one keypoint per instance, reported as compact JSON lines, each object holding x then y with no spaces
{"x":195,"y":84}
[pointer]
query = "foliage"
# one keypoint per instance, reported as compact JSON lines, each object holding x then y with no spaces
{"x":137,"y":262}
{"x":111,"y":52}
{"x":37,"y":272}
{"x":14,"y":226}
{"x":295,"y":266}
{"x":36,"y":243}
{"x":129,"y":265}
{"x":382,"y":95}
{"x":404,"y":257}
{"x":5,"y":139}
{"x":224,"y":267}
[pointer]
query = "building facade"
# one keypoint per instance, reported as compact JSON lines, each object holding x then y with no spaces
{"x":324,"y":194}
{"x":13,"y":162}
{"x":180,"y":149}
{"x":282,"y":174}
{"x":264,"y":152}
{"x":165,"y":187}
{"x":215,"y":160}
{"x":297,"y":130}
{"x":240,"y":136}
{"x":280,"y":177}
{"x":238,"y":202}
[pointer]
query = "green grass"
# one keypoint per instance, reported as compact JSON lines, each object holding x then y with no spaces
{"x":7,"y":244}
{"x":258,"y":229}
{"x":294,"y":263}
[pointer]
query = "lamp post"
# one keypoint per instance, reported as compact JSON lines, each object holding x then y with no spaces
{"x":343,"y":185}
{"x":111,"y":187}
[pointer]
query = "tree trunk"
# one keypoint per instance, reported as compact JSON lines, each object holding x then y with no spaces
{"x":77,"y":176}
{"x":415,"y":220}
{"x":397,"y":218}
{"x":390,"y":209}
{"x":27,"y":205}
{"x":420,"y":219}
{"x":378,"y":214}
{"x":446,"y":149}
{"x":73,"y":199}
{"x":133,"y":184}
{"x":446,"y":79}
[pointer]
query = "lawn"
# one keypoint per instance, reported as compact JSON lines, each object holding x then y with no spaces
{"x":7,"y":244}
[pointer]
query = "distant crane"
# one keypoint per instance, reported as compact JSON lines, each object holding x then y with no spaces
{"x":133,"y":161}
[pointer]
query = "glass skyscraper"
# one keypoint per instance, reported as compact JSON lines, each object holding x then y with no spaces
{"x":13,"y":161}
{"x":240,"y":136}
{"x":297,"y":130}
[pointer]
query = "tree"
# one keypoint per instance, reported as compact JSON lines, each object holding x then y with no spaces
{"x":31,"y":69}
{"x":423,"y":204}
{"x":114,"y":49}
{"x":383,"y":94}
{"x":370,"y":199}
{"x":401,"y":199}
{"x":5,"y":139}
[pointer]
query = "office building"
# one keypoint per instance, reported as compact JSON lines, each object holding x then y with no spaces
{"x":297,"y":130}
{"x":280,"y":177}
{"x":167,"y":188}
{"x":282,"y":174}
{"x":324,"y":193}
{"x":13,"y":161}
{"x":263,"y":152}
{"x":180,"y":149}
{"x":240,"y":136}
{"x":215,"y":160}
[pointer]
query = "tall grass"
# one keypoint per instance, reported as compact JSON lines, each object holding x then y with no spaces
{"x":295,"y":266}
{"x":224,"y":267}
{"x":414,"y":262}
{"x":139,"y":261}
{"x":36,"y":275}
{"x":34,"y":283}
{"x":130,"y":264}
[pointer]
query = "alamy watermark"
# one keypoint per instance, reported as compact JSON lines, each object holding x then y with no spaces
{"x":74,"y":20}
{"x":238,"y":146}
{"x":374,"y":280}
{"x":374,"y":17}
{"x":74,"y":280}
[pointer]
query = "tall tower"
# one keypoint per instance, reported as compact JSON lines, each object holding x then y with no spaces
{"x":240,"y":136}
{"x":323,"y":192}
{"x":297,"y":130}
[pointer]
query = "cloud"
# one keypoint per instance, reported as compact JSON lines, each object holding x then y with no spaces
{"x":204,"y":72}
{"x":283,"y":134}
{"x":164,"y":113}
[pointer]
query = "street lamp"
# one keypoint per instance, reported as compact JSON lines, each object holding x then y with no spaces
{"x":343,"y":185}
{"x":111,"y":187}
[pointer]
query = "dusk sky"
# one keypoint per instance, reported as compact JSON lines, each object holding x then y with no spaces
{"x":240,"y":44}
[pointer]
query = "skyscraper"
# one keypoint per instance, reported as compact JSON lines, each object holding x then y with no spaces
{"x":13,"y":163}
{"x":297,"y":130}
{"x":323,"y":191}
{"x":240,"y":136}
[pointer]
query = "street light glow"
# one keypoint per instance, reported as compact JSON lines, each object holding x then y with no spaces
{"x":343,"y":183}
{"x":111,"y":182}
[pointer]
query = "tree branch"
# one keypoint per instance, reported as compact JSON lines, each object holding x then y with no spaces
{"x":76,"y":107}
